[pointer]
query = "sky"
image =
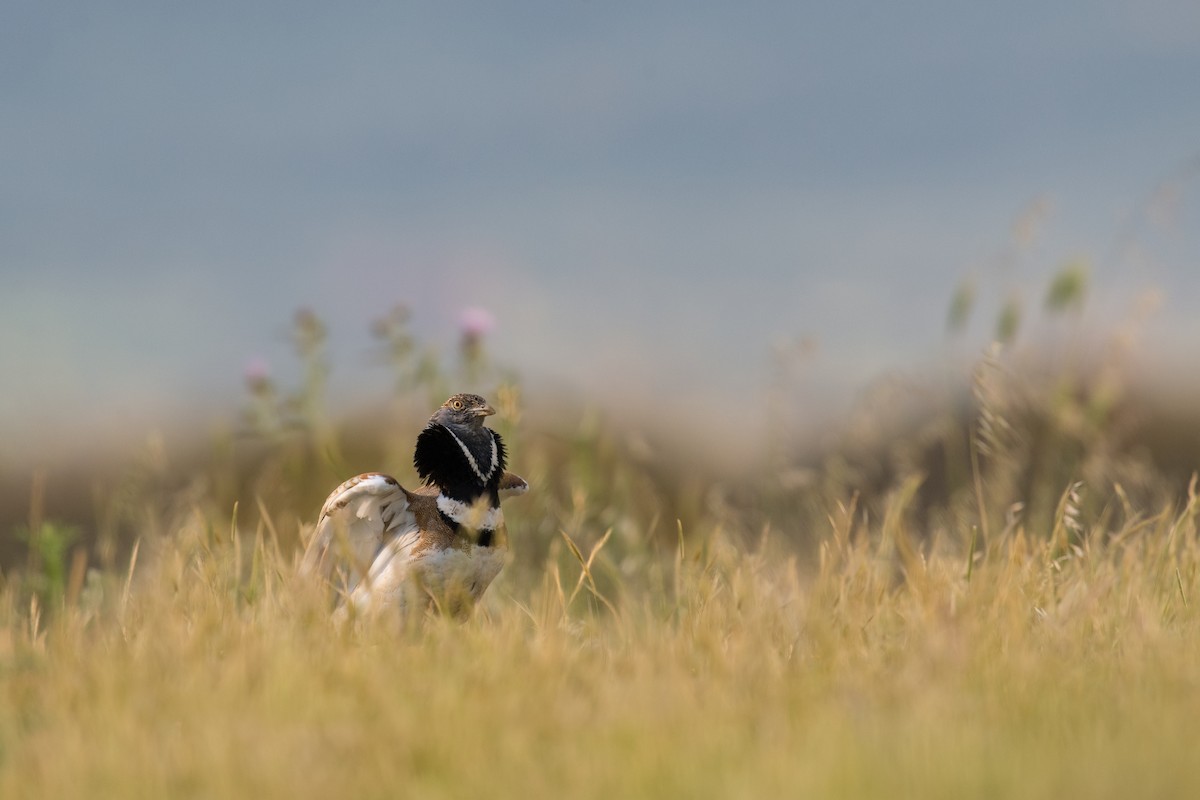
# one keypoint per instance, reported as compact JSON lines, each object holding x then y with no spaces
{"x":648,"y":198}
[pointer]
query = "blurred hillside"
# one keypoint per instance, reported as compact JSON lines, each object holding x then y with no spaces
{"x":1028,"y":417}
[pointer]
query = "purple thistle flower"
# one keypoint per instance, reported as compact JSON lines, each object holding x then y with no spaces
{"x":475,"y":322}
{"x":257,"y":375}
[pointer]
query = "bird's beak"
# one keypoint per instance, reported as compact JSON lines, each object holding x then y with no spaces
{"x":484,"y":411}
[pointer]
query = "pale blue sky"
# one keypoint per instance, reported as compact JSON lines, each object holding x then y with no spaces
{"x":645,"y":198}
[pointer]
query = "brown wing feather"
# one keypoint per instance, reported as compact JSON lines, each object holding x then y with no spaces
{"x":512,"y":484}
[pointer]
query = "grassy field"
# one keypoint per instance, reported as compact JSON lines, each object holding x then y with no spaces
{"x":657,"y":633}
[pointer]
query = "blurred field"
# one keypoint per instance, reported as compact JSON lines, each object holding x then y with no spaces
{"x":996,"y":599}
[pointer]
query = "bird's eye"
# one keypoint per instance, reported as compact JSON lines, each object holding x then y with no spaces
{"x":457,"y":405}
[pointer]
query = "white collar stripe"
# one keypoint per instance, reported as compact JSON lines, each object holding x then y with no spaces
{"x":470,"y":515}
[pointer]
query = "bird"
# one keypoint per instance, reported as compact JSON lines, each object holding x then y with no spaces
{"x":384,"y":548}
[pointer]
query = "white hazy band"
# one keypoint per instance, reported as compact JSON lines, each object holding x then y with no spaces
{"x":472,"y":516}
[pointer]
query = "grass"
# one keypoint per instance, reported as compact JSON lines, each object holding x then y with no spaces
{"x":1045,"y":674}
{"x":650,"y":638}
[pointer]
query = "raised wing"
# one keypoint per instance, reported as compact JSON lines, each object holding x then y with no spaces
{"x":386,"y":584}
{"x":360,"y":517}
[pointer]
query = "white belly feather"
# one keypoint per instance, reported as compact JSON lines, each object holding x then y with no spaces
{"x":450,"y":579}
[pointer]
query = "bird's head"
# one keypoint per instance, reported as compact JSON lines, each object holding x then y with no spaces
{"x":463,"y":411}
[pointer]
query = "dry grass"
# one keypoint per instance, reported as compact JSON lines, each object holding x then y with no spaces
{"x":885,"y":671}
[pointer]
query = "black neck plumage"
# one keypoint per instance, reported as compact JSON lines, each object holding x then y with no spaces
{"x":465,"y":466}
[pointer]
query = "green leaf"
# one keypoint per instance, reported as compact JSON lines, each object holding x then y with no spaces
{"x":960,"y":306}
{"x":1068,"y":287}
{"x":1009,"y":321}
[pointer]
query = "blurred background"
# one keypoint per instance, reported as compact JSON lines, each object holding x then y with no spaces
{"x":713,"y":219}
